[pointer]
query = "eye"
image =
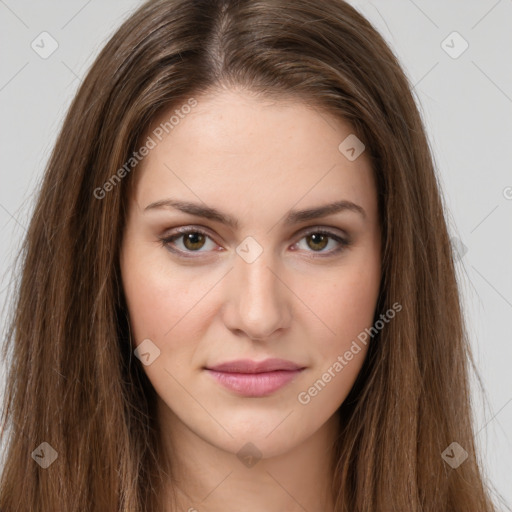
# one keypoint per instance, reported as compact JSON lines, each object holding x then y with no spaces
{"x":189,"y":240}
{"x":318,"y":239}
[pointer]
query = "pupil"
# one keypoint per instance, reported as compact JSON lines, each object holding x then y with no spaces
{"x":193,"y":239}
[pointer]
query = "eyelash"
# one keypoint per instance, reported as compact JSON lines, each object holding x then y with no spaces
{"x":166,"y":241}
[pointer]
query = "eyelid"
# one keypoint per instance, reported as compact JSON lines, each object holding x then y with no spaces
{"x":334,"y":232}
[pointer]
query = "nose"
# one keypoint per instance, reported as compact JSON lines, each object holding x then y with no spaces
{"x":257,"y":300}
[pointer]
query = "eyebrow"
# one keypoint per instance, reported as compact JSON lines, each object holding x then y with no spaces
{"x":292,"y":217}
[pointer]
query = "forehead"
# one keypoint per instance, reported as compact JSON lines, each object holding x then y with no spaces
{"x":236,"y":145}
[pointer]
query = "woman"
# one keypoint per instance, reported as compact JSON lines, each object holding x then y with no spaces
{"x":238,"y":289}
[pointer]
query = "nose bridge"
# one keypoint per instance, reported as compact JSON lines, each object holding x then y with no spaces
{"x":254,"y":260}
{"x":256,"y":278}
{"x":259,"y":304}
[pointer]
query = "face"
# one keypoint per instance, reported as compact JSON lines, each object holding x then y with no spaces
{"x":230,"y":255}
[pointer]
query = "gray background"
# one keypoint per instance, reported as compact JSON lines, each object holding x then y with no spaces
{"x":466,"y":103}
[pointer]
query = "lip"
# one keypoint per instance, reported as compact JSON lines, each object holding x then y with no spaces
{"x":255,"y":378}
{"x":250,"y":366}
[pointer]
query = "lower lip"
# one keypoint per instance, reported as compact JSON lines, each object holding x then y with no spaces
{"x":255,"y":384}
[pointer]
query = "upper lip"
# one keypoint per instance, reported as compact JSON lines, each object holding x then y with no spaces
{"x":250,"y":366}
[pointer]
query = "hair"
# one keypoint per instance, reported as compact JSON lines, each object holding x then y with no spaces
{"x":72,"y":379}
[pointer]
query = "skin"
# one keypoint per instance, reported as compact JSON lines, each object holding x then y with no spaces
{"x":254,"y":159}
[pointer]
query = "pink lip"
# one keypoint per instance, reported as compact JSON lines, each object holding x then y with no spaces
{"x":253,"y":378}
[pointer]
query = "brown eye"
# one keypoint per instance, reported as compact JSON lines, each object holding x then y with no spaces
{"x":317,"y":241}
{"x":324,"y":243}
{"x":193,"y":241}
{"x":188,"y":241}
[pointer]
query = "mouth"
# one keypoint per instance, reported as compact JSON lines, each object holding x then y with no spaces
{"x":255,"y":379}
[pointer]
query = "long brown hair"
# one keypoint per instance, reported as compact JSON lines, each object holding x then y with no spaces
{"x":73,"y":381}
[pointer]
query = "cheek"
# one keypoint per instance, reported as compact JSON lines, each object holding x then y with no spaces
{"x":347,"y":308}
{"x":346,"y":304}
{"x":172,"y":308}
{"x":356,"y":297}
{"x":149,"y":299}
{"x":161,"y":306}
{"x":158,"y":300}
